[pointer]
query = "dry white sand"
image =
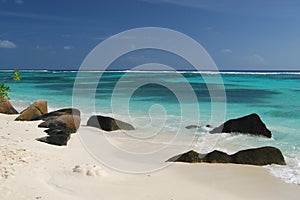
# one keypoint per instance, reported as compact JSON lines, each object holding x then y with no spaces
{"x":34,"y":170}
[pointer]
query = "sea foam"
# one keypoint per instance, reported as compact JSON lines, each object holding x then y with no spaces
{"x":289,"y":173}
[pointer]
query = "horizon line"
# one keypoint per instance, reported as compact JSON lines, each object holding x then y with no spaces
{"x":128,"y":70}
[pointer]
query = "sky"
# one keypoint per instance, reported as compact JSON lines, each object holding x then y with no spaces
{"x":238,"y":35}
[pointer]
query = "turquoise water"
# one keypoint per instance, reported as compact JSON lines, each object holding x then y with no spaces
{"x":163,"y":98}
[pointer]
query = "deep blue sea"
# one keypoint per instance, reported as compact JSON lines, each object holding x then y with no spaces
{"x":169,"y":101}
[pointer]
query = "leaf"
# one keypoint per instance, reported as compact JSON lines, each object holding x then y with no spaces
{"x":17,"y":76}
{"x":4,"y":89}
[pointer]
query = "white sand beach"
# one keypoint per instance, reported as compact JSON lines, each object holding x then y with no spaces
{"x":34,"y":170}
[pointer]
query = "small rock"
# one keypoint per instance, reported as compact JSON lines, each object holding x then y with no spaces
{"x":193,"y":127}
{"x":90,"y":172}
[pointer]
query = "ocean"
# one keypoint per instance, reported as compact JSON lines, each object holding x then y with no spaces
{"x":163,"y":103}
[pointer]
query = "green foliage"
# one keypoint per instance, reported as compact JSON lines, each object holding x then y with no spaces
{"x":17,"y":76}
{"x":4,"y":88}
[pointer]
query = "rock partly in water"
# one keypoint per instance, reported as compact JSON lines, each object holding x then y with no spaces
{"x":34,"y":110}
{"x":60,"y":124}
{"x":193,"y":127}
{"x":6,"y":107}
{"x":250,"y":124}
{"x":108,"y":123}
{"x":256,"y":156}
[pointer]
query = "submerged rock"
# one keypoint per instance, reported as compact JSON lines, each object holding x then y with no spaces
{"x":250,"y":124}
{"x":34,"y":110}
{"x":108,"y":123}
{"x":6,"y":107}
{"x":256,"y":156}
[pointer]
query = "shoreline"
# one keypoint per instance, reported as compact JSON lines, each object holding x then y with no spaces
{"x":40,"y":171}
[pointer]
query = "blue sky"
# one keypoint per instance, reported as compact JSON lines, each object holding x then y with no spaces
{"x":239,"y":35}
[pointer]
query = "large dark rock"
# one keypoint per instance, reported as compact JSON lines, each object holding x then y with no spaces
{"x":215,"y":157}
{"x":55,"y":132}
{"x":57,"y":113}
{"x":68,"y":123}
{"x":259,"y":156}
{"x":60,"y":124}
{"x":34,"y":110}
{"x":193,"y":157}
{"x":250,"y":124}
{"x":256,"y":156}
{"x":108,"y":123}
{"x":6,"y":107}
{"x":58,"y":140}
{"x":190,"y":157}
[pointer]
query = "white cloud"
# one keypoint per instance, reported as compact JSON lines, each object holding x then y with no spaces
{"x":19,"y":1}
{"x":226,"y":50}
{"x":7,"y":44}
{"x":258,"y":58}
{"x":68,"y":47}
{"x":33,"y":16}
